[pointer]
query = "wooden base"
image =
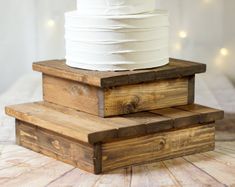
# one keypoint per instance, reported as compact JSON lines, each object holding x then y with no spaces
{"x":104,"y":157}
{"x":119,"y":100}
{"x":99,"y":144}
{"x":115,"y":93}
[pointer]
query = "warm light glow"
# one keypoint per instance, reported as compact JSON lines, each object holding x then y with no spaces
{"x":51,"y":23}
{"x":183,"y":34}
{"x":177,"y":47}
{"x":207,"y":1}
{"x":224,"y":51}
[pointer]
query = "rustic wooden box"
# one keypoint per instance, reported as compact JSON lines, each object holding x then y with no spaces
{"x":114,"y":93}
{"x":99,"y":145}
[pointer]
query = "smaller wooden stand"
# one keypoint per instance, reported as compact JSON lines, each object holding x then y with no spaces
{"x":99,"y":144}
{"x":115,"y":93}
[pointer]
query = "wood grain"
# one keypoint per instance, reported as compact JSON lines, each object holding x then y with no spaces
{"x":157,"y":147}
{"x":144,"y":97}
{"x":71,"y":94}
{"x":55,"y":145}
{"x":92,"y":129}
{"x":175,"y":69}
{"x":191,"y":89}
{"x":206,"y":114}
{"x":181,"y":118}
{"x":108,"y":156}
{"x":117,"y":100}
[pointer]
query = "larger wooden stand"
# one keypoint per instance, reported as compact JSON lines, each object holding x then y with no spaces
{"x":154,"y":116}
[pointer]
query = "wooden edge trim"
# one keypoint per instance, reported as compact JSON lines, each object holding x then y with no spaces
{"x":96,"y":137}
{"x":139,"y":77}
{"x":101,"y":103}
{"x":213,"y":116}
{"x":191,"y":89}
{"x":44,"y":76}
{"x":17,"y":132}
{"x":208,"y":116}
{"x":56,"y":72}
{"x":97,"y":158}
{"x":154,"y":75}
{"x":9,"y":111}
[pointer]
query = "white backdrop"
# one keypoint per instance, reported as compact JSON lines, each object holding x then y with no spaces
{"x":32,"y":30}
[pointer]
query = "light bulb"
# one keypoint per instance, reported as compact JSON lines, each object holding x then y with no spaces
{"x":207,"y":1}
{"x":224,"y":52}
{"x":183,"y":34}
{"x":51,"y":23}
{"x":177,"y":47}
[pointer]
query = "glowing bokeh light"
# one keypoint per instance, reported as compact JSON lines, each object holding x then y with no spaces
{"x":224,"y":52}
{"x":51,"y":23}
{"x":183,"y":34}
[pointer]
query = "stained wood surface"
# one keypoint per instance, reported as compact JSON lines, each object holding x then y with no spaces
{"x":92,"y":129}
{"x":72,"y":94}
{"x":157,"y":147}
{"x":109,"y":156}
{"x":175,"y":69}
{"x":145,"y":97}
{"x":54,"y":145}
{"x":115,"y":101}
{"x":21,"y":167}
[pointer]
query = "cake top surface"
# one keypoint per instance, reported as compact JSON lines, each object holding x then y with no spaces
{"x":104,"y":79}
{"x":114,"y":7}
{"x":92,"y":129}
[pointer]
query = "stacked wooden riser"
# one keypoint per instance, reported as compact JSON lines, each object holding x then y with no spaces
{"x":99,"y":145}
{"x":115,"y":93}
{"x":154,"y":116}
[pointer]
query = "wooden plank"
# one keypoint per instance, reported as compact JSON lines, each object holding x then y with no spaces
{"x":27,"y":171}
{"x":92,"y":129}
{"x":154,"y":174}
{"x":157,"y":147}
{"x":175,"y":69}
{"x":77,"y":126}
{"x":206,"y":114}
{"x":191,"y":90}
{"x":71,"y":94}
{"x":189,"y":175}
{"x":181,"y":118}
{"x":148,"y":96}
{"x":116,"y":100}
{"x":222,"y":170}
{"x":117,"y":178}
{"x":56,"y":146}
{"x":138,"y":124}
{"x":97,"y":158}
{"x":35,"y":173}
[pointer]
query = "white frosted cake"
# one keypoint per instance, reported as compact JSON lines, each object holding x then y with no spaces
{"x":112,"y":35}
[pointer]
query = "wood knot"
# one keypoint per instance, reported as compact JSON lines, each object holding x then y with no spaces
{"x":56,"y":144}
{"x":77,"y":90}
{"x":160,"y":145}
{"x":131,"y":106}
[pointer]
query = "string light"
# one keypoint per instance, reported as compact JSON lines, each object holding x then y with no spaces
{"x":224,"y":52}
{"x":51,"y":23}
{"x":177,"y":47}
{"x":183,"y":34}
{"x":207,"y":1}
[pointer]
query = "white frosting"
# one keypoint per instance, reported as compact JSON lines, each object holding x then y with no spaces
{"x":114,"y":7}
{"x":104,"y":41}
{"x":118,"y":67}
{"x":138,"y":21}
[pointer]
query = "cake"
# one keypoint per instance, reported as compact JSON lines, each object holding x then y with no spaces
{"x":114,"y":35}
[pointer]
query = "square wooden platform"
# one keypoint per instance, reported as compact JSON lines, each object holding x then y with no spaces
{"x":102,"y":144}
{"x":115,"y":93}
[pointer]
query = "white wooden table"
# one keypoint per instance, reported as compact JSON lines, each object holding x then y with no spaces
{"x":24,"y":168}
